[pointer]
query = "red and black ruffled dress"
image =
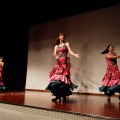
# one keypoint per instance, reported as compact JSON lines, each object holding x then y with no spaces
{"x":60,"y":83}
{"x":111,"y":80}
{"x":1,"y":70}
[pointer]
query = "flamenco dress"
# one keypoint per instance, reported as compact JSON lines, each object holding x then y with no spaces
{"x":60,"y":84}
{"x":111,"y":80}
{"x":2,"y":87}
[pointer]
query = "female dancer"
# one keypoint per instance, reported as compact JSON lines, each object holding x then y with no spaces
{"x":69,"y":65}
{"x":60,"y":83}
{"x":111,"y":80}
{"x":1,"y":71}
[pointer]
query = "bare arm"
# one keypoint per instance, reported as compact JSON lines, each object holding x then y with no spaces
{"x":118,"y":55}
{"x":71,"y":52}
{"x":112,"y":56}
{"x":55,"y":50}
{"x":3,"y":64}
{"x":74,"y":67}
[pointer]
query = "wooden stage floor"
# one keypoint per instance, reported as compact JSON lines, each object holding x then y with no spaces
{"x":76,"y":103}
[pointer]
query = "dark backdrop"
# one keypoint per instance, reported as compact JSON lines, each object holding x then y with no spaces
{"x":13,"y":47}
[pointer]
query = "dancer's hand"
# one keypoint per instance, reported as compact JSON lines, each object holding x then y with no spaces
{"x":78,"y":68}
{"x":119,"y":56}
{"x":56,"y":56}
{"x":77,"y":55}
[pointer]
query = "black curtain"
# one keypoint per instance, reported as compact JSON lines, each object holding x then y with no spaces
{"x":14,"y":49}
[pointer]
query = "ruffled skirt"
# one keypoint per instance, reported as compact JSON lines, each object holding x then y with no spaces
{"x":60,"y":83}
{"x":111,"y":81}
{"x":60,"y":89}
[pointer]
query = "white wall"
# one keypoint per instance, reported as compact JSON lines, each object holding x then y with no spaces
{"x":88,"y":34}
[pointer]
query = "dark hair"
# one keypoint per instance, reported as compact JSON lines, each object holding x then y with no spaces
{"x":67,"y":58}
{"x":106,"y":50}
{"x":1,"y":57}
{"x":57,"y":41}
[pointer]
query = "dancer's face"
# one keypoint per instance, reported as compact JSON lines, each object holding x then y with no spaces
{"x":61,"y":37}
{"x":111,"y":48}
{"x":68,"y":60}
{"x":1,"y":60}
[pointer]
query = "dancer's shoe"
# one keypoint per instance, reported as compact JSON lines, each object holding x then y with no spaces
{"x":56,"y":98}
{"x":108,"y":98}
{"x":64,"y":99}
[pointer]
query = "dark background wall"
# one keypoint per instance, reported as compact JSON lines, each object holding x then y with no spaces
{"x":13,"y":47}
{"x":15,"y":19}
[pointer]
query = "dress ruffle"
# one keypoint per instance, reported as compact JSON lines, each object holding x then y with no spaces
{"x":58,"y":88}
{"x":109,"y":91}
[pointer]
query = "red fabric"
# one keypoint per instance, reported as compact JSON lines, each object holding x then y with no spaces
{"x":59,"y":71}
{"x":112,"y":75}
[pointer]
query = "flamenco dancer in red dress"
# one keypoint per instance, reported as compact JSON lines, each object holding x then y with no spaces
{"x":69,"y":65}
{"x":2,"y":87}
{"x":111,"y":80}
{"x":60,"y":84}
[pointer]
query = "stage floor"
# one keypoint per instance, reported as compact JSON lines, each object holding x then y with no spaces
{"x":76,"y":103}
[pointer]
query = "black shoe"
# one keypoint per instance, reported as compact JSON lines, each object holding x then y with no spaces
{"x":54,"y":99}
{"x":64,"y":99}
{"x":57,"y":98}
{"x":108,"y":98}
{"x":60,"y":99}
